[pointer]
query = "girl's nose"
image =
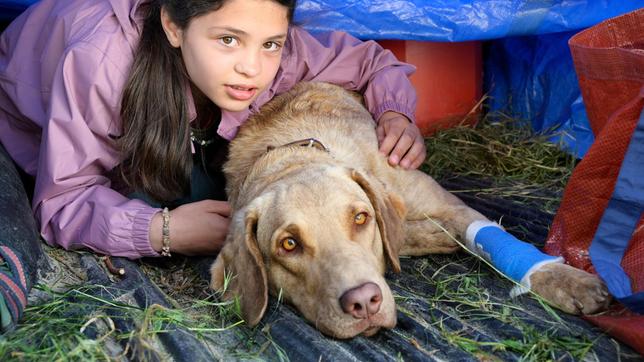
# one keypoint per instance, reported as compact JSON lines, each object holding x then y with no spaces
{"x":249,"y":64}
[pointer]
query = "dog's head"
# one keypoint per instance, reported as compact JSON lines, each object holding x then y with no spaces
{"x":322,"y":238}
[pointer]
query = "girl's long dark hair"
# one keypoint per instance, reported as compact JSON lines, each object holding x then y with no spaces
{"x":155,"y":143}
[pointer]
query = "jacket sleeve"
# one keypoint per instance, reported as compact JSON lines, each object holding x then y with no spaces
{"x":73,"y":200}
{"x":365,"y":67}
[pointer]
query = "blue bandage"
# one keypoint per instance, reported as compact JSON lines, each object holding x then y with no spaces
{"x":513,"y":257}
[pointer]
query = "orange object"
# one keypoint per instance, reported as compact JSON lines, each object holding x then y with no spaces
{"x":448,"y":81}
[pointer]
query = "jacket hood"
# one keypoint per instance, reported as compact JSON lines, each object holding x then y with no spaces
{"x":128,"y":15}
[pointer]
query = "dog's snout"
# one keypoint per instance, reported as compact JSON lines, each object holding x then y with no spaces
{"x":362,"y":301}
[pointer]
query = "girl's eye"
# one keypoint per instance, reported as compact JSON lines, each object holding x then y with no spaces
{"x":360,"y":218}
{"x":228,"y":40}
{"x":272,"y":46}
{"x":289,"y":244}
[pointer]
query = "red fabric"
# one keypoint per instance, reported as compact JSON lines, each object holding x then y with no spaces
{"x":609,"y":61}
{"x":623,"y":325}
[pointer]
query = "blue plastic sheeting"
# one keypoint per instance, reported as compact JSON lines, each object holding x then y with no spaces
{"x":574,"y":133}
{"x":437,"y":20}
{"x":533,"y":78}
{"x":9,"y":9}
{"x":456,"y":20}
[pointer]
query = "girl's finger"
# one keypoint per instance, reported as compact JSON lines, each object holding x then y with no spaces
{"x":420,"y":157}
{"x":403,"y":146}
{"x":411,"y":155}
{"x":389,"y":142}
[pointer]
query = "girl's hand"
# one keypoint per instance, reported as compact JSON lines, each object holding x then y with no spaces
{"x":197,"y":228}
{"x":400,"y":140}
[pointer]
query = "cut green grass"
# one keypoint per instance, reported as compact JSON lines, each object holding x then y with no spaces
{"x":520,"y":161}
{"x":80,"y":325}
{"x":498,"y":147}
{"x":534,"y":346}
{"x":461,"y":308}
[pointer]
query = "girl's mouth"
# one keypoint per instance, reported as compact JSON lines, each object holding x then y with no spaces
{"x":240,"y":92}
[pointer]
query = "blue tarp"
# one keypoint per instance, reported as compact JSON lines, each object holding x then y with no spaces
{"x":456,"y":20}
{"x":9,"y":9}
{"x":533,"y":78}
{"x":438,"y":20}
{"x":528,"y":67}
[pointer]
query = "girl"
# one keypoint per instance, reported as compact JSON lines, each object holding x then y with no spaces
{"x":122,"y":107}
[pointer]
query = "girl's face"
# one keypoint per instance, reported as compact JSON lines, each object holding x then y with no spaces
{"x":232,"y":54}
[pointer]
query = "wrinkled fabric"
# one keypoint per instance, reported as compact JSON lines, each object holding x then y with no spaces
{"x":456,"y":20}
{"x":63,"y":65}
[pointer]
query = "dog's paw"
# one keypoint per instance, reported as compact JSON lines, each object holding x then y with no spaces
{"x":570,"y":289}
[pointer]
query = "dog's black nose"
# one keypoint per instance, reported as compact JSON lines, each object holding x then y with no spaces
{"x":362,"y":301}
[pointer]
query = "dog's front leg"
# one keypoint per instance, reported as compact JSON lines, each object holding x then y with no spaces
{"x":572,"y":290}
{"x":436,"y":217}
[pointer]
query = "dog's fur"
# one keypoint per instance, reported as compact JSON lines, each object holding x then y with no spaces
{"x":319,"y":198}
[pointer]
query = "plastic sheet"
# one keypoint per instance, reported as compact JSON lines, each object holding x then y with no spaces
{"x":533,"y":79}
{"x":437,"y":20}
{"x":456,"y":20}
{"x":9,"y":9}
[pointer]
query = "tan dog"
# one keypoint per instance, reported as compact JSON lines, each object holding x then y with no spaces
{"x":318,"y":213}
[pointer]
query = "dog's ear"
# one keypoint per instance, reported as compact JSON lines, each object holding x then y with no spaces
{"x":239,"y":268}
{"x":390,"y":216}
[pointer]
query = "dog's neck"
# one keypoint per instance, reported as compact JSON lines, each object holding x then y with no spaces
{"x":277,"y":166}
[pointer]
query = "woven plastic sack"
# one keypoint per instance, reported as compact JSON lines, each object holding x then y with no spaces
{"x":599,"y":225}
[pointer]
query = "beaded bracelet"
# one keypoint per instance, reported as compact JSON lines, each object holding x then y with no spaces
{"x":165,"y":232}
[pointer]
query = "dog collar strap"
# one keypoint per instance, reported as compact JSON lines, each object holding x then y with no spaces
{"x":307,"y":142}
{"x":513,"y":257}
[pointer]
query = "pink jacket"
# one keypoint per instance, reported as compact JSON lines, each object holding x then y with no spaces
{"x":63,"y":65}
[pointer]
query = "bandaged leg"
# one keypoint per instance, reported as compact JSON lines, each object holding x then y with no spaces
{"x":513,"y":257}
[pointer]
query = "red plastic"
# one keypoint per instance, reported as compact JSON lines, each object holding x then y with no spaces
{"x":448,"y":81}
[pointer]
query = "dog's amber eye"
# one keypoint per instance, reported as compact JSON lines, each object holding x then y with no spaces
{"x":360,"y":218}
{"x":289,"y":244}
